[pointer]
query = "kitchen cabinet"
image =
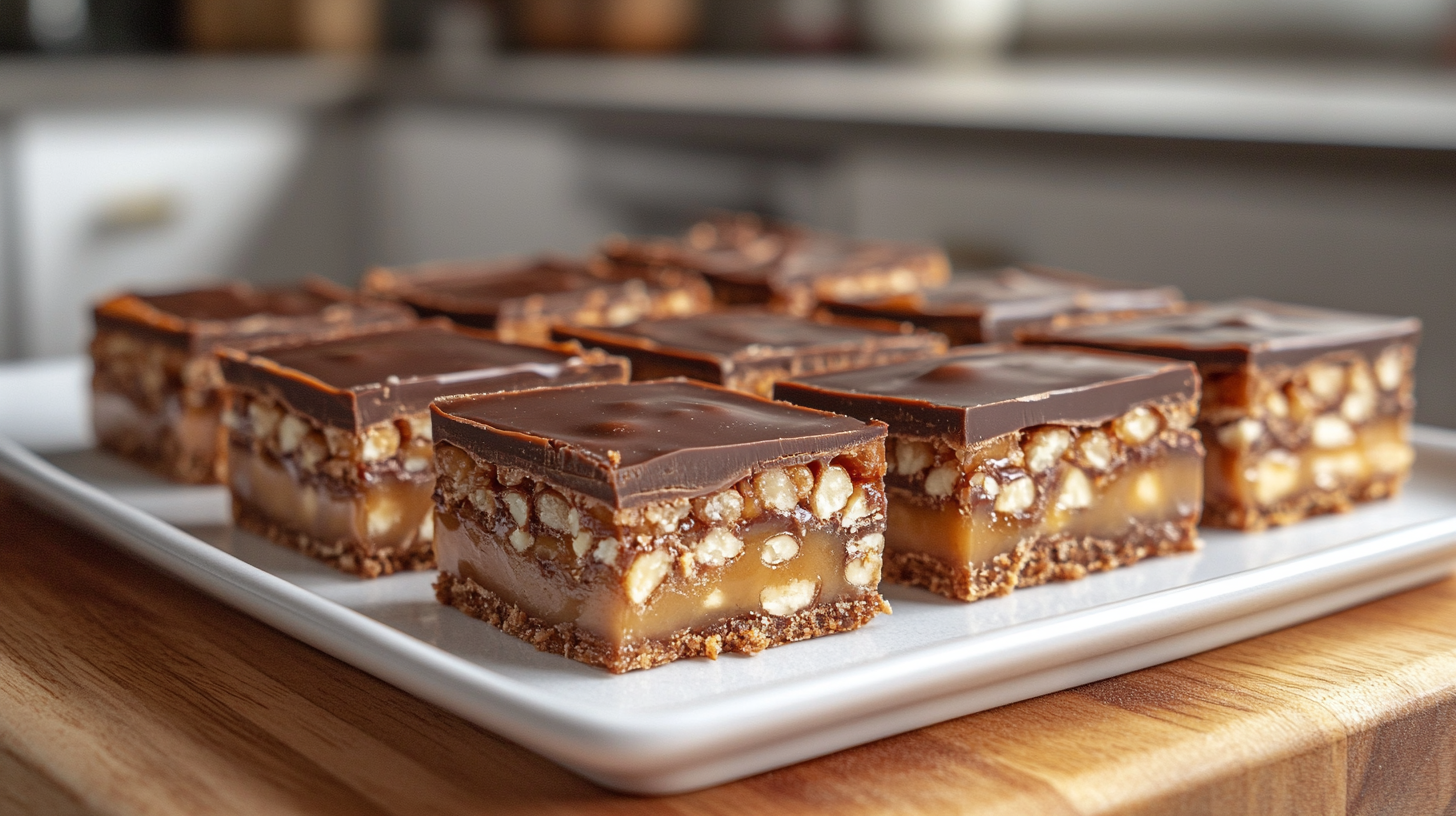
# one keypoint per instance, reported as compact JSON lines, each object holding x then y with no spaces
{"x":107,"y":200}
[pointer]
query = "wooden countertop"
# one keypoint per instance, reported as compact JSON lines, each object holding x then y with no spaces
{"x":124,"y":691}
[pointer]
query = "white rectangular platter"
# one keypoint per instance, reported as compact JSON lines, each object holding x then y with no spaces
{"x":697,"y":722}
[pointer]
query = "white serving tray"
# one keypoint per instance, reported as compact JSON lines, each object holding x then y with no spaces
{"x":697,"y":722}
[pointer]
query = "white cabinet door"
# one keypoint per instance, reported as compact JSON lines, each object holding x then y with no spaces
{"x":136,"y":199}
{"x":9,"y":292}
{"x":457,"y":183}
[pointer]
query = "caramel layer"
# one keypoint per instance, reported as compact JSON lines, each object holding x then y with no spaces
{"x":698,"y":597}
{"x":386,"y":514}
{"x":1163,"y":489}
{"x":180,"y":442}
{"x":1273,"y":487}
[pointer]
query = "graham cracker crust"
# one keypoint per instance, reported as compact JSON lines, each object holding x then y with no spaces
{"x":1035,"y":561}
{"x":1231,"y":515}
{"x":749,"y":634}
{"x":344,"y":555}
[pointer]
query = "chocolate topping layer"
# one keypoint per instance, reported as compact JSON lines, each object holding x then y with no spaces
{"x":482,"y":286}
{"x":1047,"y":288}
{"x":994,"y":303}
{"x":824,"y":255}
{"x":239,"y":315}
{"x":748,"y":333}
{"x":236,"y":302}
{"x":711,"y":345}
{"x":759,"y":259}
{"x":357,"y":381}
{"x":980,"y":392}
{"x":633,"y":444}
{"x":1242,"y":332}
{"x":473,"y":293}
{"x":739,"y":247}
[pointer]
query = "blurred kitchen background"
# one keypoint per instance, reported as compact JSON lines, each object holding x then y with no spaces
{"x":1303,"y":150}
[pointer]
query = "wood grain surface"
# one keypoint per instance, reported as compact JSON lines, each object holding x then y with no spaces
{"x":125,"y":691}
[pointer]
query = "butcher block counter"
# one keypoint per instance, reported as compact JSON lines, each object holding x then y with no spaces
{"x":124,"y":691}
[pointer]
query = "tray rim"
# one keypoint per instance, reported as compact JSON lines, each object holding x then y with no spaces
{"x":690,"y":746}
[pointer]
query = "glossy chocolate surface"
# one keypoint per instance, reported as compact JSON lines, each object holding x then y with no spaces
{"x":1042,"y":289}
{"x":633,"y":444}
{"x":356,"y":381}
{"x":1242,"y":331}
{"x":752,"y":261}
{"x":238,"y":314}
{"x":995,"y":303}
{"x":747,"y":332}
{"x":831,"y":255}
{"x":980,"y":392}
{"x":479,"y":289}
{"x":237,"y":302}
{"x":738,"y":247}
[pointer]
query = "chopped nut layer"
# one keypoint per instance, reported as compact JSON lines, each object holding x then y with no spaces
{"x":747,"y":633}
{"x":1046,"y":503}
{"x":1288,"y":442}
{"x":157,"y":405}
{"x":787,"y":553}
{"x":360,"y":502}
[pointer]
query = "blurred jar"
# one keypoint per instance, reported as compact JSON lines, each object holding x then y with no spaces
{"x":326,"y":26}
{"x":647,"y":26}
{"x":634,"y":26}
{"x":942,"y":28}
{"x":461,"y":33}
{"x":339,"y":26}
{"x":810,"y":26}
{"x":554,"y":25}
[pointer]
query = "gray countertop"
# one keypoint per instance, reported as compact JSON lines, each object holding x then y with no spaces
{"x":1369,"y":105}
{"x":70,"y":82}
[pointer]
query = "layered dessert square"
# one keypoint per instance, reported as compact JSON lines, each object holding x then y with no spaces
{"x":737,"y":253}
{"x":751,"y":261}
{"x":1305,"y":411}
{"x":987,"y":307}
{"x":828,"y":267}
{"x":1010,"y":466}
{"x":329,"y":442}
{"x":156,"y":385}
{"x":747,"y":349}
{"x":522,"y":299}
{"x":627,"y":526}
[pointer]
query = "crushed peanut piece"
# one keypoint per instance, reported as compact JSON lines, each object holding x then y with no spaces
{"x":776,"y":490}
{"x":788,"y":598}
{"x":1016,"y":496}
{"x":855,"y":509}
{"x":1137,"y":426}
{"x":646,"y":574}
{"x":832,"y":493}
{"x":1076,"y":492}
{"x":912,"y":456}
{"x":1045,"y":446}
{"x":718,"y":546}
{"x":779,"y":548}
{"x":941,"y":481}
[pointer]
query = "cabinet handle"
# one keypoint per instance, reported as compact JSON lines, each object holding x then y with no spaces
{"x":138,"y":211}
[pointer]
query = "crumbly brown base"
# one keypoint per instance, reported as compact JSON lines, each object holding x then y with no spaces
{"x":161,"y":456}
{"x":749,"y":634}
{"x":1036,"y":561}
{"x":1231,"y":515}
{"x":345,"y":555}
